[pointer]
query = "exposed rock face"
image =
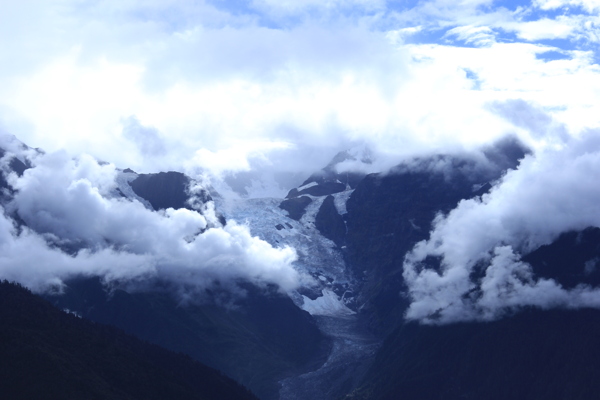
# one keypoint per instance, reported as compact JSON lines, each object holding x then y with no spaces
{"x":330,"y":223}
{"x":164,"y":190}
{"x":328,"y":181}
{"x":295,"y":206}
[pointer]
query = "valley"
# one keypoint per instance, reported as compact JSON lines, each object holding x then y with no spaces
{"x":341,"y":330}
{"x":300,"y":200}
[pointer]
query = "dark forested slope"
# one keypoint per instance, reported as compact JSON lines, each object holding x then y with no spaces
{"x":533,"y":354}
{"x":48,"y":354}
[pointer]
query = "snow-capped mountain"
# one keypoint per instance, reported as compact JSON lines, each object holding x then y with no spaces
{"x":293,"y":296}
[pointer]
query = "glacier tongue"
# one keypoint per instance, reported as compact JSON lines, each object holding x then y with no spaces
{"x":328,"y":304}
{"x":352,"y":346}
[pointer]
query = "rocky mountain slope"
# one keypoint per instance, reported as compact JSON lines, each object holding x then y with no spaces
{"x":342,"y":330}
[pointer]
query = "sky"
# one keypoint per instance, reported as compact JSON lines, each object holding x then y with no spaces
{"x":275,"y":89}
{"x":223,"y":86}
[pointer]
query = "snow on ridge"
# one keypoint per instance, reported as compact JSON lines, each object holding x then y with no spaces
{"x":329,"y":304}
{"x":308,"y":185}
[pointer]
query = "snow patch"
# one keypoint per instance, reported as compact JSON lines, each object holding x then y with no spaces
{"x":328,"y":304}
{"x":340,"y":200}
{"x":308,"y":185}
{"x":310,"y":213}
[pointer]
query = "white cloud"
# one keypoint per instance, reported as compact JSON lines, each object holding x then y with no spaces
{"x":292,"y":7}
{"x":550,"y":193}
{"x":579,"y":28}
{"x":203,"y":81}
{"x":147,"y":139}
{"x":478,"y":35}
{"x":545,"y":28}
{"x":71,"y":203}
{"x":588,"y":5}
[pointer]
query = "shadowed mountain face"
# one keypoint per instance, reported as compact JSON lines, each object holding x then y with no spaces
{"x":325,"y":182}
{"x":257,"y":340}
{"x":535,"y":354}
{"x":330,"y":223}
{"x":163,"y":190}
{"x":532,"y":355}
{"x":266,"y":341}
{"x":328,"y":180}
{"x":295,"y":206}
{"x":573,"y":259}
{"x":49,"y":354}
{"x":387,"y":216}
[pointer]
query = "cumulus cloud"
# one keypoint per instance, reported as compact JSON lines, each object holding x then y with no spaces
{"x":551,"y":192}
{"x":77,"y":224}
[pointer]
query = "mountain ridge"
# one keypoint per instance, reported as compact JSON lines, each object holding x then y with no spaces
{"x":351,"y":234}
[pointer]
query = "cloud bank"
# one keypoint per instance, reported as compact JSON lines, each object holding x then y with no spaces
{"x":225,"y":87}
{"x":78,"y":225}
{"x":551,"y":192}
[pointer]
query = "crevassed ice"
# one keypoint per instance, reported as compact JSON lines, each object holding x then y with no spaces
{"x":328,"y":304}
{"x":317,"y":255}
